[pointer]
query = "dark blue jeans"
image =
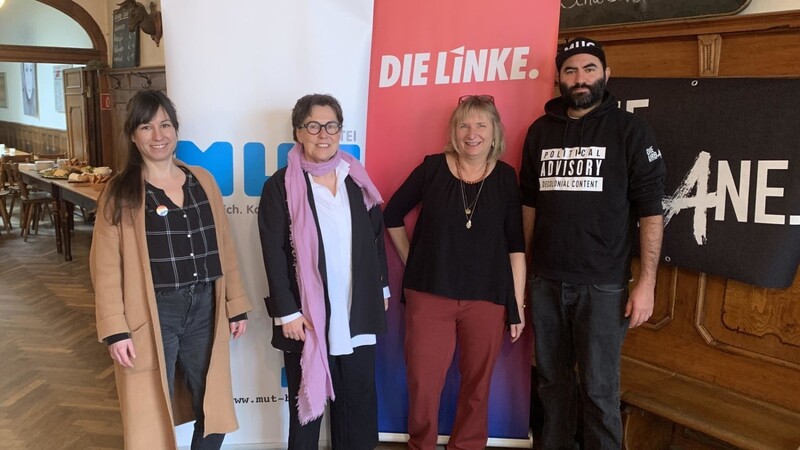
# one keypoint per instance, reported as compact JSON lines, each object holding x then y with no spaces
{"x":187,"y":331}
{"x":583,"y":325}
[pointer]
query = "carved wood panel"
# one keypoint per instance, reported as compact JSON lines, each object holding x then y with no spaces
{"x":737,"y":337}
{"x":756,"y":322}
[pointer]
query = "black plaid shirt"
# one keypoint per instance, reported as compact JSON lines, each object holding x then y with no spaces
{"x":182,"y":241}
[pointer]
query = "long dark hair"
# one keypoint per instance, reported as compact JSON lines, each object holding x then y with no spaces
{"x":125,"y":192}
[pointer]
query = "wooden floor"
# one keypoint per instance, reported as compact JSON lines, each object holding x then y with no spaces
{"x":56,"y":381}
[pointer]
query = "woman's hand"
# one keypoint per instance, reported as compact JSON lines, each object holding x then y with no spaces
{"x":516,"y":329}
{"x":296,"y":329}
{"x":123,"y":352}
{"x":238,"y":328}
{"x":399,"y":237}
{"x":518,"y":273}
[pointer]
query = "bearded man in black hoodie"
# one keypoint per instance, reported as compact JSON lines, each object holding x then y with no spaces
{"x":590,"y":172}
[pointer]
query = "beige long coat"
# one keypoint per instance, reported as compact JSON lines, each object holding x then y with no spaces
{"x":125,"y":303}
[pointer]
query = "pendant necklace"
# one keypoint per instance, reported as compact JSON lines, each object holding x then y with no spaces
{"x":469,"y":208}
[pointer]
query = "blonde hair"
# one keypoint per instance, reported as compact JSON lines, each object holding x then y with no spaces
{"x":477,"y":104}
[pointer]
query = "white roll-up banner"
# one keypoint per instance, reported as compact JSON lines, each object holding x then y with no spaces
{"x":235,"y":70}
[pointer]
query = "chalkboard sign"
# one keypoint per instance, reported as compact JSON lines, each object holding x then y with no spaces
{"x":589,"y":13}
{"x":126,"y":43}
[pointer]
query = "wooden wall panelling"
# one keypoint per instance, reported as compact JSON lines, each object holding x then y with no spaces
{"x":680,"y":347}
{"x":775,"y":53}
{"x":725,"y":339}
{"x":666,"y":59}
{"x":646,"y":427}
{"x":709,"y":49}
{"x":31,"y":139}
{"x":757,"y":322}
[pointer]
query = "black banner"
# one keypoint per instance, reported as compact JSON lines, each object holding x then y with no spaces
{"x":732,"y":150}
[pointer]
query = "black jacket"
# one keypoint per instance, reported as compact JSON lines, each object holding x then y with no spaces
{"x":370,"y":275}
{"x":589,"y":179}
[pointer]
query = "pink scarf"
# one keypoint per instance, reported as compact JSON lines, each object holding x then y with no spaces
{"x":315,"y":383}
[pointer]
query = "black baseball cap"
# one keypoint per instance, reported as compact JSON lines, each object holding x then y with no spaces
{"x":577,"y":46}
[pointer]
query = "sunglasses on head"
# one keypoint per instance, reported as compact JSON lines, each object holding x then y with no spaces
{"x":480,"y":98}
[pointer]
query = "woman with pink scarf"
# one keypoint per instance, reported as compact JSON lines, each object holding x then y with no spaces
{"x":321,"y":233}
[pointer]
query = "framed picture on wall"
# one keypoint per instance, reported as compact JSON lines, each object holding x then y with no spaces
{"x":58,"y":85}
{"x":3,"y":92}
{"x":30,"y":106}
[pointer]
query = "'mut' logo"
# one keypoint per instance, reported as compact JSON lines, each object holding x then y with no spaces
{"x":218,"y":159}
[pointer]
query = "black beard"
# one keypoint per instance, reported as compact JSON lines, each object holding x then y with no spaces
{"x":586,"y":100}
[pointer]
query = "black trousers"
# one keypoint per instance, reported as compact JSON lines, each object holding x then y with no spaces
{"x":354,"y":413}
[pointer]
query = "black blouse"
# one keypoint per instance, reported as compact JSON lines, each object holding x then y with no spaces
{"x":446,"y":258}
{"x":181,"y":240}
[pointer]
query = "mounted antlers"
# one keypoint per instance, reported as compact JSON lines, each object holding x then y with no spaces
{"x":148,"y":22}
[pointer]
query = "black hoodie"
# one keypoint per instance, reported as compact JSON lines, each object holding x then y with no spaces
{"x":589,"y":180}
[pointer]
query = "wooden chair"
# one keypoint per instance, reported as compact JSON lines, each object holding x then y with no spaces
{"x":5,"y":177}
{"x":4,"y":160}
{"x":33,"y":204}
{"x":3,"y":209}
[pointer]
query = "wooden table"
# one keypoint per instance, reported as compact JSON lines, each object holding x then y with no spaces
{"x":71,"y":195}
{"x":18,"y":155}
{"x":66,"y":196}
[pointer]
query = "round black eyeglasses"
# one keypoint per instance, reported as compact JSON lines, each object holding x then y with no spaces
{"x":314,"y":127}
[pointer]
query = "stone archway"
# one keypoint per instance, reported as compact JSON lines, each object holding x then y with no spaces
{"x":64,"y":55}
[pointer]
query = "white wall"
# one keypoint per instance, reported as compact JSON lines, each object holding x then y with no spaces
{"x":45,"y":91}
{"x":99,"y":12}
{"x":763,"y":6}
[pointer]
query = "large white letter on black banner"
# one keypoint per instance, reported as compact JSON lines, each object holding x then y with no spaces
{"x":731,"y":149}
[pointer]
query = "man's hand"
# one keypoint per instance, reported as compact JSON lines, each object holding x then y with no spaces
{"x":640,"y":304}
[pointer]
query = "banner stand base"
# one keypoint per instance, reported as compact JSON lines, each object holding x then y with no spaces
{"x":493,"y":442}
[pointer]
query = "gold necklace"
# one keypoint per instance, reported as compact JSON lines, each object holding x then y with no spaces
{"x":458,"y":171}
{"x":469,"y":209}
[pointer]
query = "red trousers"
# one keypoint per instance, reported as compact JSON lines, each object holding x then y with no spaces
{"x":434,"y":324}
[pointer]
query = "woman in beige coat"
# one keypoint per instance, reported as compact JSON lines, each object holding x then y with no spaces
{"x":167,"y":287}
